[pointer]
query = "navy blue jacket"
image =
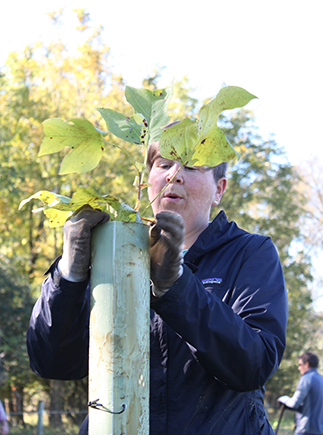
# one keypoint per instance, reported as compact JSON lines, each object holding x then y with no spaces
{"x":216,"y":336}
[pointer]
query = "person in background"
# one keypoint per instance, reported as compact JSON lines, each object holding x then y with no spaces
{"x":307,"y":400}
{"x":218,"y":308}
{"x":4,"y":426}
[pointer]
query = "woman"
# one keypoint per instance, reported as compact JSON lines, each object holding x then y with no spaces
{"x":218,"y":308}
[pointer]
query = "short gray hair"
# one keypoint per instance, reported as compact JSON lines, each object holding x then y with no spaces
{"x":219,"y":171}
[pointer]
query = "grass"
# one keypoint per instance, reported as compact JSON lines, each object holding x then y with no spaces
{"x":30,"y":427}
{"x":68,"y":428}
{"x":47,"y":430}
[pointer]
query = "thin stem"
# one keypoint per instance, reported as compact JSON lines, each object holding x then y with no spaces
{"x":139,"y":193}
{"x":141,"y":178}
{"x":141,"y":172}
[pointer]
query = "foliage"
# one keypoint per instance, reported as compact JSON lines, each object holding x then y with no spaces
{"x":200,"y":142}
{"x":16,"y":303}
{"x":46,"y":82}
{"x":312,"y":225}
{"x":35,"y":85}
{"x":81,"y":136}
{"x":58,"y":208}
{"x":312,"y":185}
{"x":87,"y":145}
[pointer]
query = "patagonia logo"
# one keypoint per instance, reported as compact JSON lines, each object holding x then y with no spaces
{"x":212,"y":281}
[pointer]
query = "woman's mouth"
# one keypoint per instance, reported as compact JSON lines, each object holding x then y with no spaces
{"x":172,"y":197}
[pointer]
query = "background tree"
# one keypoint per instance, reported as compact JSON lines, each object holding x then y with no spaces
{"x":37,"y":84}
{"x":16,"y":303}
{"x":311,"y":172}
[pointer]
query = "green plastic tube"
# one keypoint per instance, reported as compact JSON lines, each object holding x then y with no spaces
{"x":119,"y":330}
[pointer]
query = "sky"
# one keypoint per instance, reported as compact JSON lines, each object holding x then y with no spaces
{"x":272,"y":49}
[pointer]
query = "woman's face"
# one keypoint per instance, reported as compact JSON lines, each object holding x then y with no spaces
{"x":191,"y":193}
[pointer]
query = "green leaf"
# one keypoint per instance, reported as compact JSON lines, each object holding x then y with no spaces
{"x":124,"y":213}
{"x":56,"y":207}
{"x":138,"y":118}
{"x":87,"y":195}
{"x":201,"y":142}
{"x":50,"y":199}
{"x":150,"y":108}
{"x":57,"y":218}
{"x":59,"y":208}
{"x":119,"y":211}
{"x":85,"y":140}
{"x":123,"y":127}
{"x":152,"y":105}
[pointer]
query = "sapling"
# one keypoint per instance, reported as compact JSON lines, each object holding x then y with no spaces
{"x":192,"y":142}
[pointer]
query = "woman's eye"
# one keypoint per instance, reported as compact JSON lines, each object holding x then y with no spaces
{"x":190,"y":168}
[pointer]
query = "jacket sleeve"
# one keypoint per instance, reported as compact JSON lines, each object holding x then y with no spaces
{"x":57,"y":337}
{"x":297,"y":400}
{"x":239,"y":339}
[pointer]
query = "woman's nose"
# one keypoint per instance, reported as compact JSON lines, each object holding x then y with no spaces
{"x":175,"y":174}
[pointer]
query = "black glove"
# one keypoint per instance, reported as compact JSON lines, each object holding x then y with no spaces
{"x":75,"y":262}
{"x":166,"y":251}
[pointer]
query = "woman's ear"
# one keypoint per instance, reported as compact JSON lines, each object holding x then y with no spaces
{"x":220,"y":189}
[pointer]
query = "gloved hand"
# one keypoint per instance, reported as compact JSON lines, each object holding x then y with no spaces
{"x":75,"y":262}
{"x":283,"y":399}
{"x":166,"y":251}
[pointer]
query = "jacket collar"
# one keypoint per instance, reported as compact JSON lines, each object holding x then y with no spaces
{"x":218,"y":232}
